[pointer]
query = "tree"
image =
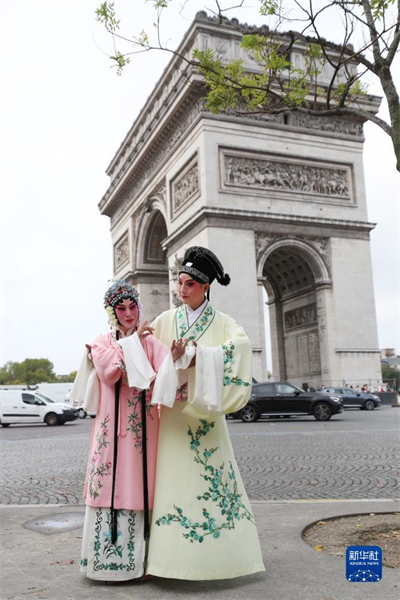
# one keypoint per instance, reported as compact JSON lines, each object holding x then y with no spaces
{"x":32,"y":371}
{"x":278,"y":86}
{"x":391,"y":375}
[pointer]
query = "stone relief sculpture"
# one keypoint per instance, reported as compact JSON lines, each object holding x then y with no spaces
{"x":320,"y":244}
{"x":320,"y":123}
{"x":174,"y":270}
{"x":301,"y":317}
{"x":121,"y":252}
{"x":268,"y":174}
{"x":185,"y":187}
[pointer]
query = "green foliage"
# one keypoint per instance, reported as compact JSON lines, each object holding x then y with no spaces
{"x":106,"y":15}
{"x":269,"y":7}
{"x":32,"y":371}
{"x":391,"y":373}
{"x":379,"y":7}
{"x":120,"y":61}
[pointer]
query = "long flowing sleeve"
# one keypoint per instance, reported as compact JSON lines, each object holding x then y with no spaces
{"x":221,"y":381}
{"x":108,"y":359}
{"x":142,"y":361}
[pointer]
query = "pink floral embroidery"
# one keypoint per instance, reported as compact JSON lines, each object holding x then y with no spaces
{"x":100,"y":470}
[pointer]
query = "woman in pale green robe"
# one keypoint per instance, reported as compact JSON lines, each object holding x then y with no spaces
{"x":202,"y":524}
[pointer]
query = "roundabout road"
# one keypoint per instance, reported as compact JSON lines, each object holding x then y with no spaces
{"x":353,"y":456}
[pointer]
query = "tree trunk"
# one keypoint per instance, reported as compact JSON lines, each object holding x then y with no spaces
{"x":393,"y":101}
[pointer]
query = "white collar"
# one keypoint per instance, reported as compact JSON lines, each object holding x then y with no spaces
{"x":192,"y":314}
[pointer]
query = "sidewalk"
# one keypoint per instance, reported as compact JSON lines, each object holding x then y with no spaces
{"x":43,"y":566}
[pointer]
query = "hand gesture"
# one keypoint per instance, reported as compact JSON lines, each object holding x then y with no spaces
{"x":178,"y":349}
{"x":144,"y":331}
{"x":89,"y":348}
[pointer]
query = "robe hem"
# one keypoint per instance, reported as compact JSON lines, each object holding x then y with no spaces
{"x":103,"y":576}
{"x":193,"y":576}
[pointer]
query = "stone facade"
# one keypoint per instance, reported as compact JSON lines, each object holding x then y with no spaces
{"x":280,"y":200}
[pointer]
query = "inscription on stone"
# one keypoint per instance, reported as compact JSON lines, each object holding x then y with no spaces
{"x":301,"y":317}
{"x":302,"y":354}
{"x":185,"y":188}
{"x":121,"y":252}
{"x":274,"y":174}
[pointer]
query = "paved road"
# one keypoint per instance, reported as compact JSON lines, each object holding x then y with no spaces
{"x":355,"y":455}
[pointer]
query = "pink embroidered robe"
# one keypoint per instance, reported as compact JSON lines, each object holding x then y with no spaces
{"x":108,"y":360}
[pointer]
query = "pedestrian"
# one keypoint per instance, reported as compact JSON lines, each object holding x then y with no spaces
{"x":202,"y":523}
{"x":119,"y":486}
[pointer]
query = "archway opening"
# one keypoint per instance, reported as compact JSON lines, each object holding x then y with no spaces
{"x":156,"y":233}
{"x":290,"y":283}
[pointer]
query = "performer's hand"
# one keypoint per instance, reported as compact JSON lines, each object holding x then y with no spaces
{"x":144,"y":331}
{"x":178,"y":349}
{"x":89,"y":347}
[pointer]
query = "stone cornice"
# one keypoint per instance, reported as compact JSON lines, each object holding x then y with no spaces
{"x":176,"y":92}
{"x":258,"y":218}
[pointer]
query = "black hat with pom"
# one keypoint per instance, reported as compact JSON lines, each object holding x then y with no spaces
{"x":203,"y":266}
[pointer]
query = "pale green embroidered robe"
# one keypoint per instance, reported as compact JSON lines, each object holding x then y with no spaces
{"x":202,"y":524}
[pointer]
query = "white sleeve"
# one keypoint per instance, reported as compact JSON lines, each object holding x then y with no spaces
{"x":209,"y":380}
{"x":138,"y":368}
{"x":167,"y":381}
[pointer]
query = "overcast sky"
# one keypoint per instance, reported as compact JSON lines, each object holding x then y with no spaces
{"x":64,"y":114}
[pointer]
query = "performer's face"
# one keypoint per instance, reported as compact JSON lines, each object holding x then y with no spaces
{"x":192,"y":292}
{"x":127,"y":314}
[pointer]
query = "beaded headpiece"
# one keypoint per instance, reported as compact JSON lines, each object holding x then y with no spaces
{"x":120,"y":290}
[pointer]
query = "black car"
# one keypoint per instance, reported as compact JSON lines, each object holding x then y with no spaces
{"x":353,"y":399}
{"x":284,"y":399}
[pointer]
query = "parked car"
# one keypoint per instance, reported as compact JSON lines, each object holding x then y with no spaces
{"x":353,"y":399}
{"x":18,"y":406}
{"x":83,"y":413}
{"x":281,"y":398}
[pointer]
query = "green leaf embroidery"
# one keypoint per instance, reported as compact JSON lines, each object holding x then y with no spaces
{"x":222,"y":492}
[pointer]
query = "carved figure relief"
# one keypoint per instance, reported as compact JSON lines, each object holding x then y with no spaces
{"x":185,"y":187}
{"x":301,"y":317}
{"x":273,"y":174}
{"x":324,"y":124}
{"x":121,"y":252}
{"x":174,"y":270}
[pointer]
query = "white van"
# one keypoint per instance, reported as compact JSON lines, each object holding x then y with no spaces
{"x":23,"y":406}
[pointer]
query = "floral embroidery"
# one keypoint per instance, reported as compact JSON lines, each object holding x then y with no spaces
{"x":97,"y":469}
{"x":198,"y":328}
{"x":182,"y":393}
{"x":110,"y":550}
{"x":135,"y":419}
{"x":228,"y":349}
{"x":222,"y":492}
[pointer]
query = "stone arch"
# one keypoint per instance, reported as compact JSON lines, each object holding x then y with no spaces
{"x":310,"y":254}
{"x":152,"y":274}
{"x":292,"y":271}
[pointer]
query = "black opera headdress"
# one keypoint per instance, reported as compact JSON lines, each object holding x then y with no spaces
{"x":203,"y":266}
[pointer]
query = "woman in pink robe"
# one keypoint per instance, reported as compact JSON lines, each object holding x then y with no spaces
{"x":116,"y":490}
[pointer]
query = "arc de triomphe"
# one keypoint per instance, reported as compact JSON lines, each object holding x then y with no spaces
{"x":281,"y":201}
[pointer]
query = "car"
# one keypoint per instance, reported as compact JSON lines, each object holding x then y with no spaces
{"x":353,"y":399}
{"x":19,"y":406}
{"x":82,"y":412}
{"x":280,"y":398}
